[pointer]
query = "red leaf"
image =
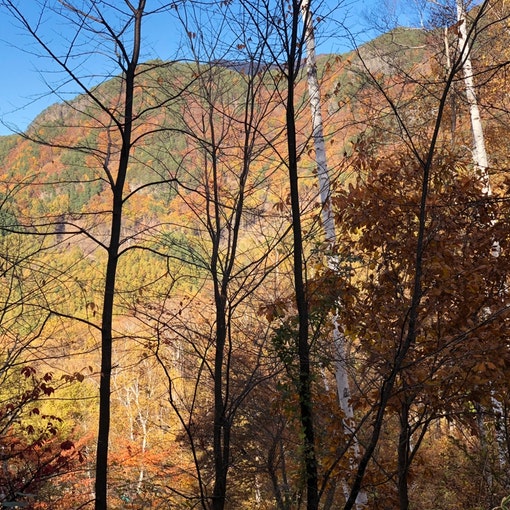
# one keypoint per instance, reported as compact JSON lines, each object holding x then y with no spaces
{"x":48,"y":390}
{"x":28,"y":371}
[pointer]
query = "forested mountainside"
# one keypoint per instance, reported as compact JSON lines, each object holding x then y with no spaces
{"x":214,"y":297}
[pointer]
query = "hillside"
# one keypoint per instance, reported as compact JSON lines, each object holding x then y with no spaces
{"x":62,"y":141}
{"x":179,"y":330}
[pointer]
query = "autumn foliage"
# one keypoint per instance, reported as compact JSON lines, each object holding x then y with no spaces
{"x":206,"y":386}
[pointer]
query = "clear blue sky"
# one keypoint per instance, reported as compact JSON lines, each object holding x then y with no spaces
{"x":25,"y":75}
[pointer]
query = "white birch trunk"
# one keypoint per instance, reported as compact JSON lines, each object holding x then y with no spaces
{"x":479,"y":153}
{"x":480,"y":158}
{"x":498,"y":412}
{"x":328,"y":222}
{"x":481,"y":162}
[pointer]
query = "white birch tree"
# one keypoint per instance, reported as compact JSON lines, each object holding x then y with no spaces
{"x":481,"y":163}
{"x":328,"y":222}
{"x":480,"y":159}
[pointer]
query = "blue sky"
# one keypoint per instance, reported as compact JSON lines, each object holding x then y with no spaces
{"x":25,"y":76}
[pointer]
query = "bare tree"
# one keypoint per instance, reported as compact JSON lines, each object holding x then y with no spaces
{"x":116,"y":117}
{"x":223,"y":241}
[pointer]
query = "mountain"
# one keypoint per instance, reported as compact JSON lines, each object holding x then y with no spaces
{"x":60,"y":144}
{"x":148,"y":246}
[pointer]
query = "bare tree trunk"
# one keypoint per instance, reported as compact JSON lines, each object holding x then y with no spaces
{"x":404,"y":442}
{"x":453,"y":103}
{"x":328,"y":222}
{"x":101,"y":502}
{"x":222,"y":426}
{"x":303,"y":346}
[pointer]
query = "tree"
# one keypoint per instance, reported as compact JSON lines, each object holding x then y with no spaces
{"x":479,"y":152}
{"x":293,"y":39}
{"x":115,"y":115}
{"x":341,"y":373}
{"x":413,"y":286}
{"x":220,"y":240}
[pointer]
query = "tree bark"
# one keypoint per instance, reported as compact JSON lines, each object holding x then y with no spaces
{"x":480,"y":158}
{"x":403,"y":452}
{"x":101,"y":485}
{"x":328,"y":222}
{"x":303,"y":347}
